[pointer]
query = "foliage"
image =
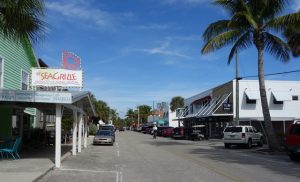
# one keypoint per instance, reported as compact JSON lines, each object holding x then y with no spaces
{"x":253,"y":22}
{"x":21,"y":20}
{"x":144,"y":112}
{"x":177,"y":102}
{"x":67,"y":123}
{"x":92,"y":129}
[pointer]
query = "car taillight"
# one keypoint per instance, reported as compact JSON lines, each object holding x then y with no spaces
{"x":181,"y":132}
{"x":243,"y":135}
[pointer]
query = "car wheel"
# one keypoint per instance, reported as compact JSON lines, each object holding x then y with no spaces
{"x":293,"y":157}
{"x":249,"y":144}
{"x":261,"y":142}
{"x":227,"y":145}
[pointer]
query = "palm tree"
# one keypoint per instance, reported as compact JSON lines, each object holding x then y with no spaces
{"x":21,"y":19}
{"x":253,"y":22}
{"x":176,"y":102}
{"x":292,"y":35}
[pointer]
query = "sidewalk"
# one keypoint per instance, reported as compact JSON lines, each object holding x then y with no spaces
{"x":33,"y":163}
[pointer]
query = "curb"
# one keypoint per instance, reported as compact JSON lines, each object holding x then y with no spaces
{"x":63,"y":158}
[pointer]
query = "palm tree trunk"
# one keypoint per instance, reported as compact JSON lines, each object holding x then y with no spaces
{"x":271,"y":138}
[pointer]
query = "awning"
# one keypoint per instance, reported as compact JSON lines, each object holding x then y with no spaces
{"x":252,"y":94}
{"x":282,"y":96}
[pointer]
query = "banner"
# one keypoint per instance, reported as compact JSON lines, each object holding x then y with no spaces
{"x":56,"y":77}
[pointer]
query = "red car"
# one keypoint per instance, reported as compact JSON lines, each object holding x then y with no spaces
{"x":292,"y":141}
{"x":168,"y":132}
{"x":178,"y":132}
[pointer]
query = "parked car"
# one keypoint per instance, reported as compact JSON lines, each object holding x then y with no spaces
{"x":168,"y":132}
{"x":160,"y":130}
{"x":104,"y":137}
{"x":108,"y":127}
{"x":178,"y":132}
{"x":195,"y":132}
{"x":121,"y":129}
{"x":242,"y":135}
{"x":292,"y":141}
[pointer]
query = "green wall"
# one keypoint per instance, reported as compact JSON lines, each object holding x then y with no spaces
{"x":5,"y":122}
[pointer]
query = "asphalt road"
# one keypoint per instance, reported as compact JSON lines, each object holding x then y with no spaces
{"x":137,"y":157}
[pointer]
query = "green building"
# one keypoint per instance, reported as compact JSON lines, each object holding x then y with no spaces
{"x":16,"y":61}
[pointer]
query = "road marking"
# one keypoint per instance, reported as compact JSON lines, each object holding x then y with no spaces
{"x":118,"y":153}
{"x":84,"y":170}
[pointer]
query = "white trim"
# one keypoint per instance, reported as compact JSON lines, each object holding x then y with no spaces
{"x":22,"y":70}
{"x":2,"y":71}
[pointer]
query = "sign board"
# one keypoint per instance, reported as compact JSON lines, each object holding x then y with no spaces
{"x":56,"y":77}
{"x":227,"y":106}
{"x":36,"y":96}
{"x":74,"y":65}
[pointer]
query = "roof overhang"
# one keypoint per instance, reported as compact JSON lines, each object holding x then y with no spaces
{"x":252,"y":94}
{"x":282,"y":96}
{"x":46,"y":100}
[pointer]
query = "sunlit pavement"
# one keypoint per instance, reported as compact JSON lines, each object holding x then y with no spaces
{"x":137,"y":157}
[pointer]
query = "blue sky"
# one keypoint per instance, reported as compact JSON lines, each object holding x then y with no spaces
{"x":139,"y":51}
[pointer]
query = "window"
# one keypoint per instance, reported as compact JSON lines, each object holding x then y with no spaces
{"x":250,"y":130}
{"x":25,"y":80}
{"x":234,"y":129}
{"x":1,"y":72}
{"x":295,"y":97}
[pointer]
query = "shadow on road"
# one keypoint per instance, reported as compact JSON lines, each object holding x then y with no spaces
{"x":241,"y":155}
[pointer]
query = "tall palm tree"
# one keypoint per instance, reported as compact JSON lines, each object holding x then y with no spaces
{"x":22,"y":19}
{"x":177,"y":102}
{"x":292,"y":35}
{"x":253,"y":22}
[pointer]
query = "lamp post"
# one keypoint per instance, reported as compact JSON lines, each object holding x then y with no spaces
{"x":138,"y":108}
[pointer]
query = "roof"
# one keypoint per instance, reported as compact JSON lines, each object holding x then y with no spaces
{"x":46,"y":100}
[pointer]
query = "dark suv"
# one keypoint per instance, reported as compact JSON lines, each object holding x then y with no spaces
{"x":292,"y":141}
{"x":178,"y":132}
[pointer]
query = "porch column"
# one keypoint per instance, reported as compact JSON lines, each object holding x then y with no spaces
{"x":58,"y":136}
{"x":80,"y":132}
{"x":74,"y":138}
{"x":85,"y":133}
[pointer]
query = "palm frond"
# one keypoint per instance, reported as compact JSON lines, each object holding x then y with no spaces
{"x":270,"y":8}
{"x":279,"y":24}
{"x":221,"y":40}
{"x":230,"y":6}
{"x":22,"y":19}
{"x":216,"y":28}
{"x":246,"y":18}
{"x":276,"y":47}
{"x":244,"y":42}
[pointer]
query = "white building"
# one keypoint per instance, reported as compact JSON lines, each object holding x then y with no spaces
{"x":216,"y":107}
{"x":170,"y":116}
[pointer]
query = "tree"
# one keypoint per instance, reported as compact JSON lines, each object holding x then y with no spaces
{"x":177,"y":102}
{"x":144,"y":112}
{"x":292,"y":35}
{"x":21,"y":19}
{"x":253,"y":22}
{"x":102,"y":109}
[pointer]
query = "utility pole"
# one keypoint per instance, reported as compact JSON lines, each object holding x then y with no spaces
{"x":153,"y":111}
{"x":237,"y":114}
{"x":138,"y":108}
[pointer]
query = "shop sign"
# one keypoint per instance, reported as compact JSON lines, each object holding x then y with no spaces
{"x":35,"y":96}
{"x":56,"y":77}
{"x":227,"y":106}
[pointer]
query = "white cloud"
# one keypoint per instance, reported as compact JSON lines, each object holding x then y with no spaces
{"x":78,"y":10}
{"x":189,"y":2}
{"x":296,"y":5}
{"x":155,"y":26}
{"x":163,"y":50}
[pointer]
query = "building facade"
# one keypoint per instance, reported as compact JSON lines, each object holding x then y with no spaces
{"x":216,"y":107}
{"x":16,"y":61}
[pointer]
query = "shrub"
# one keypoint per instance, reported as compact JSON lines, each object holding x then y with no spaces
{"x":93,"y":129}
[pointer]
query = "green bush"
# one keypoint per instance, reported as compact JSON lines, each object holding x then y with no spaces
{"x":92,"y":129}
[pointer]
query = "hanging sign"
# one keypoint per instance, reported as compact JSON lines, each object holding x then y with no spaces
{"x":70,"y":60}
{"x":56,"y":77}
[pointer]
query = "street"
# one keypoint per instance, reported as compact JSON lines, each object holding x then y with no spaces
{"x":136,"y":157}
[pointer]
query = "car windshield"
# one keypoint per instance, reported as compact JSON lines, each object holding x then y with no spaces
{"x":233,"y":129}
{"x":107,"y":128}
{"x":295,"y":130}
{"x":104,"y":133}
